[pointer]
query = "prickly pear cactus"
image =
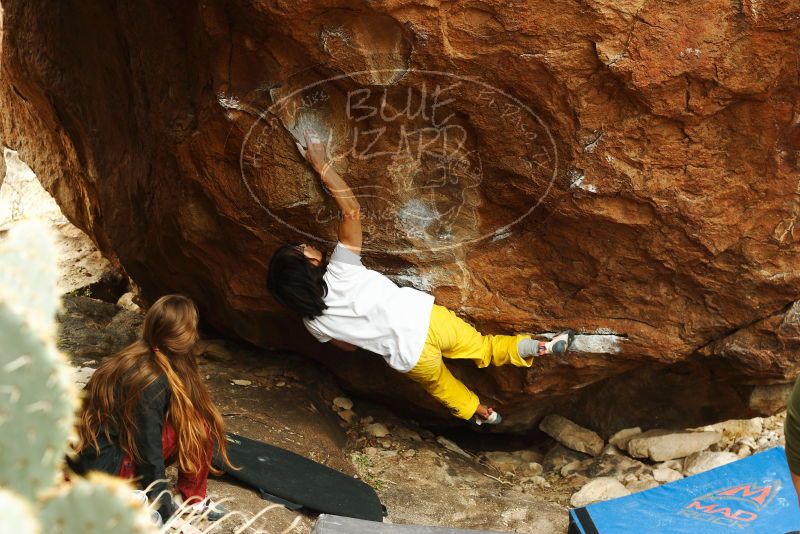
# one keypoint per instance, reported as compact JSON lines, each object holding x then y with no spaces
{"x":98,"y":505}
{"x":29,"y":276}
{"x":37,"y":406}
{"x":37,"y":397}
{"x":16,"y":514}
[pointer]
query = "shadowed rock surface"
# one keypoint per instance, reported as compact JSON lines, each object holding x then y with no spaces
{"x":622,"y":168}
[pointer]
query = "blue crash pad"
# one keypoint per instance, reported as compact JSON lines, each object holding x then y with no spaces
{"x":752,"y":496}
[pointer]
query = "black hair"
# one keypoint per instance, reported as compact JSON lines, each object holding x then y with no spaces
{"x":297,"y":283}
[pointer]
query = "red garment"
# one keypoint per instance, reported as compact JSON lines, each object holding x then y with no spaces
{"x":189,"y":484}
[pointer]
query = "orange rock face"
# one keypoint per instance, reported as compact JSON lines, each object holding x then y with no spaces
{"x":625,"y":168}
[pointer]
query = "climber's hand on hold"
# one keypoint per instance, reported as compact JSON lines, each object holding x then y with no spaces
{"x":485,"y":416}
{"x":350,"y":234}
{"x":315,"y":152}
{"x":483,"y":412}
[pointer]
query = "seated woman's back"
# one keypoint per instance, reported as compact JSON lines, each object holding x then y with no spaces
{"x":147,"y":405}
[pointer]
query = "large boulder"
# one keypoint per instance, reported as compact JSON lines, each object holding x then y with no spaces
{"x":700,"y":462}
{"x":599,"y":489}
{"x":571,"y":435}
{"x":662,"y":445}
{"x":626,"y":169}
{"x":620,"y":439}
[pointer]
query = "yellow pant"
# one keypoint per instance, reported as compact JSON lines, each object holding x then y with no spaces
{"x":451,"y":337}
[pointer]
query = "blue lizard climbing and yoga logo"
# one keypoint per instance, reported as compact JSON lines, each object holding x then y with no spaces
{"x":427,"y":131}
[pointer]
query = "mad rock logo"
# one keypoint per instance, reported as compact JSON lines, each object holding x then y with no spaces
{"x":736,"y":507}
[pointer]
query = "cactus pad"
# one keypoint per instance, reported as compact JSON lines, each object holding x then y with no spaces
{"x":37,"y":397}
{"x":97,"y":505}
{"x":16,"y":514}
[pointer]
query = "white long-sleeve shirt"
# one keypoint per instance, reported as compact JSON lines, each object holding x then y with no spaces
{"x":368,"y":310}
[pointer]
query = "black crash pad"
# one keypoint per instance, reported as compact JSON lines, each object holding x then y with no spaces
{"x":295,"y":481}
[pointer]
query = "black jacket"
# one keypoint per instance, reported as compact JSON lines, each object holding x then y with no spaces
{"x":152,"y":414}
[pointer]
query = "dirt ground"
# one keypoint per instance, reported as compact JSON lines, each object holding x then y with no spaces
{"x":287,"y":401}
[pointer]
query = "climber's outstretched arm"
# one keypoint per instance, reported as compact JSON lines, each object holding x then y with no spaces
{"x":350,"y":226}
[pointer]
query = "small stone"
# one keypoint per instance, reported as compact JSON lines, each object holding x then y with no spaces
{"x":676,"y":465}
{"x":348,"y":416}
{"x":376,"y":430}
{"x":343,"y":403}
{"x":529,"y":456}
{"x":573,"y":467}
{"x":741,"y":450}
{"x":126,"y":303}
{"x":737,"y":428}
{"x":82,"y":375}
{"x":89,"y":363}
{"x":409,"y":453}
{"x":616,"y":466}
{"x":280,"y":383}
{"x":660,"y":445}
{"x":388,"y":454}
{"x":532,"y":469}
{"x":703,"y":461}
{"x":629,"y":479}
{"x":642,"y":485}
{"x":427,"y":434}
{"x":537,"y":481}
{"x":621,"y":438}
{"x":577,"y":481}
{"x":599,"y":489}
{"x":241,"y":382}
{"x":401,"y":432}
{"x":559,"y":456}
{"x":665,"y":474}
{"x":748,"y":441}
{"x":572,"y":435}
{"x":386,"y":443}
{"x":371,"y":451}
{"x":503,"y":461}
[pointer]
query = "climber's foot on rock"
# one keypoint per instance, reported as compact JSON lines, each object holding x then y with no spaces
{"x":558,"y":345}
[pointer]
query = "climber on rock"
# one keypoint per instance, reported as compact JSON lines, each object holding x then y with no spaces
{"x":350,"y":306}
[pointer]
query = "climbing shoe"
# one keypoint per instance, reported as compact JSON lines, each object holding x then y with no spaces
{"x":558,"y":345}
{"x":209,"y":509}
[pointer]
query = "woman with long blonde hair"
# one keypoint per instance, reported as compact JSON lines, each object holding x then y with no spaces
{"x":147,"y":406}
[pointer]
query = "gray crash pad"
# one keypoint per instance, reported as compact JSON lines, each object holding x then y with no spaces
{"x":334,"y":524}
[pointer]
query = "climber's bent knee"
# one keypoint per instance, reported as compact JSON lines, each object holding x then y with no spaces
{"x":431,"y":373}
